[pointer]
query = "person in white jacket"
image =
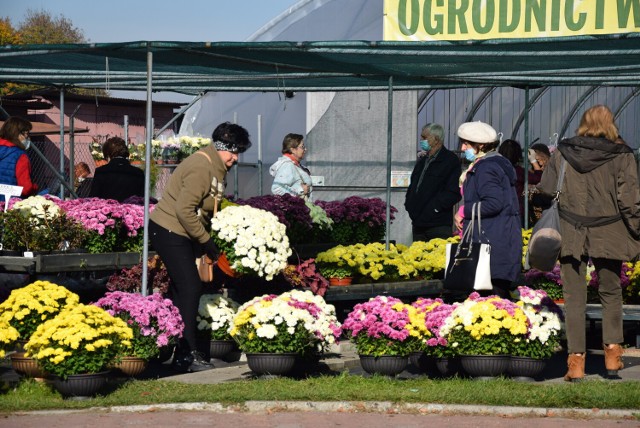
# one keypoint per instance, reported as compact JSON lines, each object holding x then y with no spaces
{"x":289,"y":175}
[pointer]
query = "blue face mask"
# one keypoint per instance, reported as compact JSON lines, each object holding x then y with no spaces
{"x":424,"y":145}
{"x":470,"y":154}
{"x":27,"y":143}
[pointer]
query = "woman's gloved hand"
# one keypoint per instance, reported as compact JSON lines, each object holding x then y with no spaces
{"x":211,"y":249}
{"x":532,"y":156}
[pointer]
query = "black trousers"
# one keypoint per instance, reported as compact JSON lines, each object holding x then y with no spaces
{"x":428,"y":233}
{"x":179,"y":253}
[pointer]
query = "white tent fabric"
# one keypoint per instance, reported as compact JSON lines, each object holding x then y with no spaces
{"x":345,"y":132}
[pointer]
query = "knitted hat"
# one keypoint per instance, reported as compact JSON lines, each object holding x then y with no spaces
{"x":477,"y":132}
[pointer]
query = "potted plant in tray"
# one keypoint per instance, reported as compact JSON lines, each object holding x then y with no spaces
{"x":215,"y":313}
{"x":37,"y":224}
{"x":482,"y":330}
{"x":274,"y":331}
{"x":382,"y":332}
{"x":77,"y":346}
{"x":305,"y":274}
{"x":337,"y":264}
{"x":531,"y":351}
{"x":28,"y":307}
{"x":155,"y":321}
{"x":437,"y":318}
{"x":251,"y":241}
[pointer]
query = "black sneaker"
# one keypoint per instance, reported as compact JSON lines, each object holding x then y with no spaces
{"x":189,"y":363}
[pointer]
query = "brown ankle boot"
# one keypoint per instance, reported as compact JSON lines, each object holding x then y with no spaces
{"x":575,"y":363}
{"x":613,"y":359}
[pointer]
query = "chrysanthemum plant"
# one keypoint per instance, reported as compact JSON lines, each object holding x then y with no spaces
{"x":253,"y":240}
{"x":485,"y":326}
{"x":337,"y":262}
{"x":29,"y":306}
{"x":305,"y":274}
{"x":291,"y":211}
{"x":8,"y":336}
{"x":38,"y":224}
{"x":545,"y":325}
{"x":382,"y":326}
{"x":428,"y":258}
{"x":215,"y":313}
{"x":155,"y":321}
{"x":79,"y":340}
{"x":549,"y":282}
{"x":434,"y":313}
{"x":294,"y":322}
{"x":357,"y":219}
{"x":112,"y":226}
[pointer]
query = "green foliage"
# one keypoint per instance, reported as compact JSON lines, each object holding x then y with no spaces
{"x":30,"y":395}
{"x":40,"y":27}
{"x":492,"y":344}
{"x":105,"y":243}
{"x":221,"y":333}
{"x":552,"y":288}
{"x":114,"y":239}
{"x":534,"y":348}
{"x":378,"y":346}
{"x":330,"y":270}
{"x":141,"y":346}
{"x":283,"y":342}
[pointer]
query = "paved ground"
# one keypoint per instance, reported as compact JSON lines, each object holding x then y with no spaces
{"x":339,"y":413}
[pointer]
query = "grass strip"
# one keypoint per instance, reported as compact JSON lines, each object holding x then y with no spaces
{"x":31,"y":395}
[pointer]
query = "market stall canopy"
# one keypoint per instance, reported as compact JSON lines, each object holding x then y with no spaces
{"x":191,"y":67}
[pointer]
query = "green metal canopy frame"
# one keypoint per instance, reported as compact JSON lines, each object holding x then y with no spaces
{"x":320,"y":66}
{"x":198,"y":67}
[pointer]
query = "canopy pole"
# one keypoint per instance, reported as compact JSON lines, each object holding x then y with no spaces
{"x":147,"y":174}
{"x":525,"y":160}
{"x":389,"y":145}
{"x":260,"y":155}
{"x":61,"y":189}
{"x":125,"y":126}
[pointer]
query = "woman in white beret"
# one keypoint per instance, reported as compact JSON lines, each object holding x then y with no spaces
{"x":491,"y":181}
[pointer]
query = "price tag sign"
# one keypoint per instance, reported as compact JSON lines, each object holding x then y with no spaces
{"x":8,"y":191}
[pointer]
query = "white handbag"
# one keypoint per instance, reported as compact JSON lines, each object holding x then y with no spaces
{"x":468,"y":264}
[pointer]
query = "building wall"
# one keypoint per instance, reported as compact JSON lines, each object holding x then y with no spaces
{"x":94,"y":117}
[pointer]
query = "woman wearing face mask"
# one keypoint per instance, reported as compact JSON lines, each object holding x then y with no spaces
{"x":490,"y":181}
{"x":15,"y":166}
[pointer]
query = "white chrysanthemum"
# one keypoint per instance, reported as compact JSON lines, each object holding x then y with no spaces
{"x":268,"y":331}
{"x":292,"y":309}
{"x":39,"y":209}
{"x":215,"y":311}
{"x":259,"y":239}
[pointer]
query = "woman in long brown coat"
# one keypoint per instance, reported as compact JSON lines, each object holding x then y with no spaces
{"x":599,"y":209}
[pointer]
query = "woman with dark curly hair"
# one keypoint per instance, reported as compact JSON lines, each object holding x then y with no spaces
{"x":179,"y":229}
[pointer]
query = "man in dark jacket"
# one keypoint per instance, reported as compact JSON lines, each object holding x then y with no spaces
{"x":118,"y":179}
{"x":434,"y":188}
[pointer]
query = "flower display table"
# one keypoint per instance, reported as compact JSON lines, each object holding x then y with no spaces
{"x":395,"y":289}
{"x":71,"y":262}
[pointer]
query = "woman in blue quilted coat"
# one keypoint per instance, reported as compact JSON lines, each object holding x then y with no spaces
{"x":491,"y":181}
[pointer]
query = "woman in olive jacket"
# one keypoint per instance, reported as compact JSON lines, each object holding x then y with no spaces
{"x":179,"y":229}
{"x":599,"y":208}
